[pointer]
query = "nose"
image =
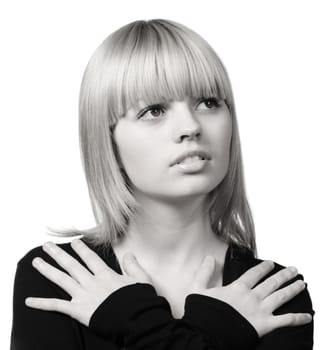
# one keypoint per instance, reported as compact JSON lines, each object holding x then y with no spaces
{"x":186,"y":124}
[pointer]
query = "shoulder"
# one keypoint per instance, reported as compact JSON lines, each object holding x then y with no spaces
{"x":38,"y":251}
{"x":25,"y":262}
{"x":30,"y":282}
{"x":33,"y":328}
{"x":242,"y":259}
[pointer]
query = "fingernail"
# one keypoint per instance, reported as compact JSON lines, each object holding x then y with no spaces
{"x":308,"y":317}
{"x":76,"y":241}
{"x":270,"y":263}
{"x":48,"y":246}
{"x":37,"y":262}
{"x":301,"y":283}
{"x":293,"y":269}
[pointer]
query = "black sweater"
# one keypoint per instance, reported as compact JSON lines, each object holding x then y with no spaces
{"x":135,"y":317}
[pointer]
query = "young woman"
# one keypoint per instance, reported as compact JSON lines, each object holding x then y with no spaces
{"x":172,"y":261}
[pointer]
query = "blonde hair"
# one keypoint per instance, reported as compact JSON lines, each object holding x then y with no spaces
{"x":155,"y":60}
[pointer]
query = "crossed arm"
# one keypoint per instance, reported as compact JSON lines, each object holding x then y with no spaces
{"x":143,"y":320}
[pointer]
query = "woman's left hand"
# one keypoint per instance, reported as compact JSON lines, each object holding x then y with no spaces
{"x":88,"y":290}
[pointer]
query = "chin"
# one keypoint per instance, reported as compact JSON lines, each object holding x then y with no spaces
{"x":191,"y":189}
{"x":190,"y":186}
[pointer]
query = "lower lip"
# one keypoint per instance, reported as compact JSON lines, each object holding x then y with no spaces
{"x":193,"y":167}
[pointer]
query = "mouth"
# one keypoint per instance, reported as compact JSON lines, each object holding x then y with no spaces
{"x":192,"y":160}
{"x":191,"y":165}
{"x":191,"y":157}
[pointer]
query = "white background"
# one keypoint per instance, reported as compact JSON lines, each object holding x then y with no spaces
{"x":275,"y":54}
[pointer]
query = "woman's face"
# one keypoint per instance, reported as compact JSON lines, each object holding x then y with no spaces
{"x":150,"y":138}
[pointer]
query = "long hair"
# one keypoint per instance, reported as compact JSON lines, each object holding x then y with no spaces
{"x":156,"y":61}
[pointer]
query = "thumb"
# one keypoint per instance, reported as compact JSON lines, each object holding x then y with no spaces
{"x":204,"y":272}
{"x":133,"y":269}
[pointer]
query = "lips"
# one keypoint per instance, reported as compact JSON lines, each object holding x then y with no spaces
{"x":200,"y":153}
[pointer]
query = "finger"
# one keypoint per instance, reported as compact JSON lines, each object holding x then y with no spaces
{"x":70,"y":264}
{"x":275,"y":281}
{"x":252,"y":276}
{"x":92,"y":260}
{"x":49,"y":304}
{"x":285,"y":294}
{"x":204,"y":272}
{"x":294,"y":319}
{"x":134,"y":269}
{"x":58,"y":277}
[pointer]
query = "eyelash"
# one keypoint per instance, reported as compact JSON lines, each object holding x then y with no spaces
{"x":161,"y":107}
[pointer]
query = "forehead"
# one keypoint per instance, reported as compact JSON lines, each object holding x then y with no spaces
{"x":140,"y":103}
{"x":142,"y":88}
{"x":163,"y":66}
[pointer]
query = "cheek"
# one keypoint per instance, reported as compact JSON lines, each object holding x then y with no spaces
{"x":138,"y":154}
{"x":134,"y":155}
{"x":220,"y":136}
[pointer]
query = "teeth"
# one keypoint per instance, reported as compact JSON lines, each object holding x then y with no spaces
{"x":191,"y":159}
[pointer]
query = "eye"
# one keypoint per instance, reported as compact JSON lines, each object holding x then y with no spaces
{"x":210,"y":103}
{"x":153,"y":111}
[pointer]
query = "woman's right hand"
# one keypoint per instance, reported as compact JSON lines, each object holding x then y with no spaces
{"x":255,"y":304}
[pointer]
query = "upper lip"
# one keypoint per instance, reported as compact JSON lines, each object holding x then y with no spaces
{"x":197,"y":152}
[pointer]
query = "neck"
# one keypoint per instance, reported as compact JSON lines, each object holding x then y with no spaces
{"x":168,"y":237}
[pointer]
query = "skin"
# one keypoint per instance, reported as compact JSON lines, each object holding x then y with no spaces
{"x":172,"y":225}
{"x":153,"y":141}
{"x":170,"y":237}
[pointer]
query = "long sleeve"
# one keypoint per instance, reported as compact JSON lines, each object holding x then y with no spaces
{"x":144,"y":320}
{"x":34,"y":329}
{"x":292,"y":338}
{"x":136,"y":318}
{"x":285,"y":338}
{"x":136,"y":311}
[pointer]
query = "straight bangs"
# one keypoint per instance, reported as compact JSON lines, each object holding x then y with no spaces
{"x":163,"y":65}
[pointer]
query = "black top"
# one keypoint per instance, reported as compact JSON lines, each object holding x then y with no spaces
{"x":135,"y":317}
